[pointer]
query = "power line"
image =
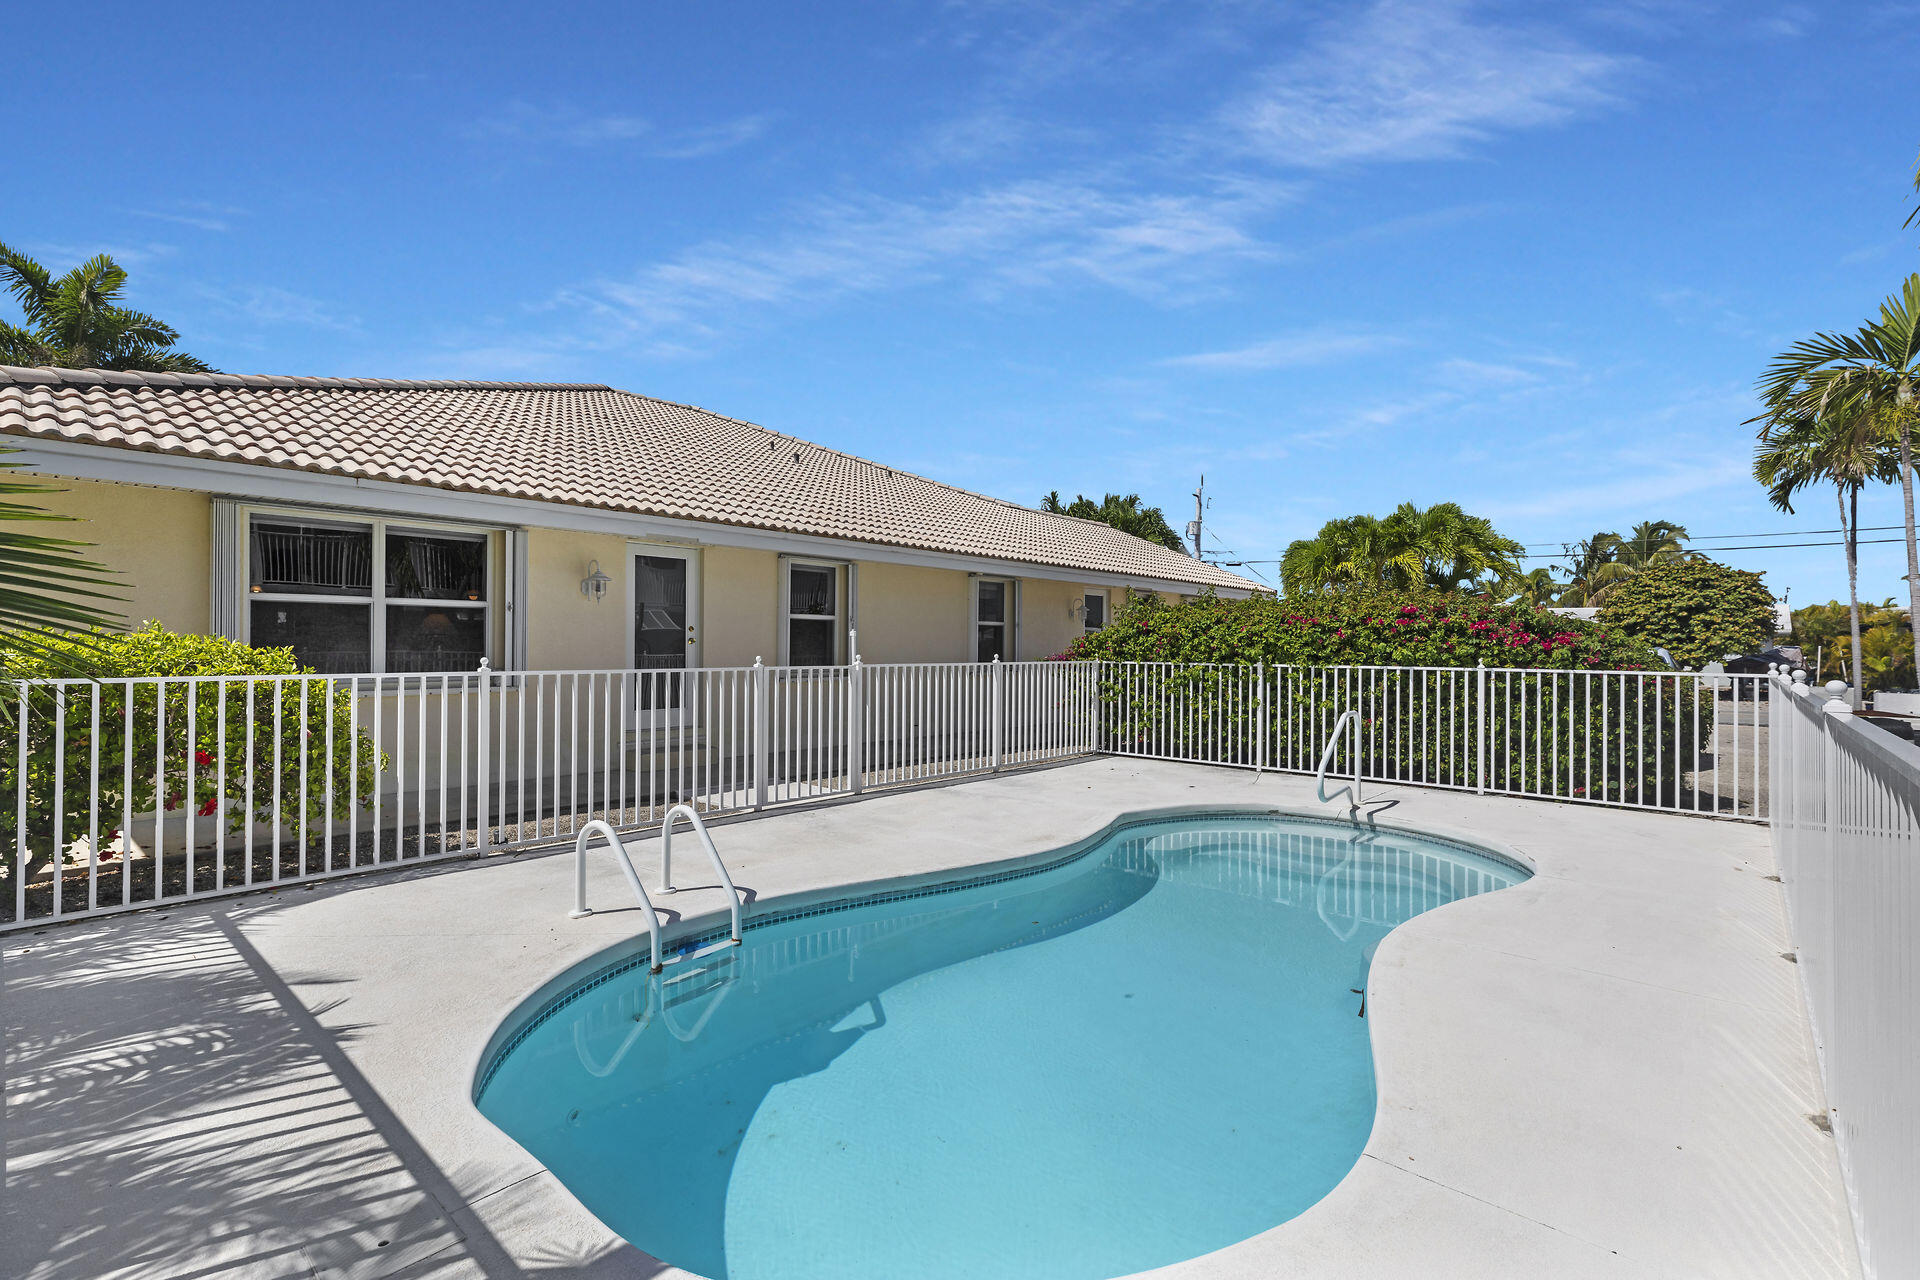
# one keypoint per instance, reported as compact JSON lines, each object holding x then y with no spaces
{"x":1239,"y":564}
{"x":1758,"y":546}
{"x":1772,"y":533}
{"x":1755,"y":546}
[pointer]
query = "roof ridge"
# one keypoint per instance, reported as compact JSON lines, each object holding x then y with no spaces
{"x":49,"y":376}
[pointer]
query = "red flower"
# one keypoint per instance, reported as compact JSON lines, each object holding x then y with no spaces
{"x":203,"y":757}
{"x":173,"y":800}
{"x":208,"y":805}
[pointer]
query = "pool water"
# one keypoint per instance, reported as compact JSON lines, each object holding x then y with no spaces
{"x":1148,"y":1052}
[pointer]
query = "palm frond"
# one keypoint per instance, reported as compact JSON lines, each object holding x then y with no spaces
{"x":47,"y":584}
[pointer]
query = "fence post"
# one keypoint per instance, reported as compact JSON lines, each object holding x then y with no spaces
{"x":1480,"y":717}
{"x":1096,"y":710}
{"x":483,"y":757}
{"x":761,"y":764}
{"x":997,"y":710}
{"x":856,"y":727}
{"x":1259,"y":717}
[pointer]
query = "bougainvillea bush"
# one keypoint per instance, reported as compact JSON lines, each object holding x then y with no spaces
{"x":1408,"y":665}
{"x":182,"y":747}
{"x":1420,"y":629}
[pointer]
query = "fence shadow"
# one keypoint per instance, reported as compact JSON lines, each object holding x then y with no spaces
{"x":175,"y":1109}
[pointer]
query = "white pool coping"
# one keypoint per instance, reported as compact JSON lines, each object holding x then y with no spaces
{"x":1602,"y":1071}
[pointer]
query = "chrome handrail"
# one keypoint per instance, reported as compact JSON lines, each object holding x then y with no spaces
{"x":713,"y":855}
{"x":580,"y":907}
{"x":1326,"y":757}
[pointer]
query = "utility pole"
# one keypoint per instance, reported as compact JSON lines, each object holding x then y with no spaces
{"x":1199,"y":510}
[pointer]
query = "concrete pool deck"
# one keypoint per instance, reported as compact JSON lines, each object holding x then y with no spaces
{"x":1605,"y":1071}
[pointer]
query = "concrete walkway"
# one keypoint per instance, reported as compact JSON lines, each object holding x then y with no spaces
{"x":1602,"y":1072}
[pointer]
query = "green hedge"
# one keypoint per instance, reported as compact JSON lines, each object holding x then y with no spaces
{"x":1416,"y":629}
{"x":189,"y":745}
{"x":1548,"y":709}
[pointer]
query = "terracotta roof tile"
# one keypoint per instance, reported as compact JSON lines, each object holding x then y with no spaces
{"x":584,"y":445}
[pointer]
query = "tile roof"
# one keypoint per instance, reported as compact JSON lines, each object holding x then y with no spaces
{"x":583,"y":445}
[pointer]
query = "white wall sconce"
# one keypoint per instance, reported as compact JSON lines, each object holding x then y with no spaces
{"x":594,"y":585}
{"x":1078,"y":609}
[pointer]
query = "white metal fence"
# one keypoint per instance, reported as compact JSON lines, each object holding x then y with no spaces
{"x":130,"y":792}
{"x":1846,"y":829}
{"x":1678,"y":741}
{"x":127,"y":793}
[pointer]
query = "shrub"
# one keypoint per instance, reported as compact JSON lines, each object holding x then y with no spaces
{"x":1697,"y":610}
{"x":1395,"y":659}
{"x":1395,"y":629}
{"x":183,"y":744}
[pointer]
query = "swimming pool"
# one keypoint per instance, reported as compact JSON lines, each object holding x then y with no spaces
{"x":1133,"y":1055}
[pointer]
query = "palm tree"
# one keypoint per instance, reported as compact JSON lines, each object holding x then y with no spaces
{"x":1348,"y":552}
{"x":1844,"y":447}
{"x":1594,"y":571}
{"x":1653,"y":542}
{"x":1127,"y":514}
{"x":76,"y":322}
{"x":1535,"y":589}
{"x":1441,"y":547}
{"x":1604,"y":561}
{"x":1448,"y":549}
{"x":1865,"y":378}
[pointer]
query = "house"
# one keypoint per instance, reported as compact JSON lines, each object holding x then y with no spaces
{"x":410,"y":526}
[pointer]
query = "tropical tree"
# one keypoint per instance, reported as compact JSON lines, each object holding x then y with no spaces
{"x":1125,"y":513}
{"x":1441,"y":547}
{"x":1593,"y":570}
{"x":1863,"y":384}
{"x":1535,"y":589}
{"x":77,"y":322}
{"x":1654,"y":542}
{"x":1602,"y":563}
{"x":1843,"y":447}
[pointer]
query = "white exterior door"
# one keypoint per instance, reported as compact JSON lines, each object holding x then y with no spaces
{"x":664,"y":585}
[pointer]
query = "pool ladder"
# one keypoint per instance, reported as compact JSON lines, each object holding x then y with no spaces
{"x":580,"y":907}
{"x":1326,"y":757}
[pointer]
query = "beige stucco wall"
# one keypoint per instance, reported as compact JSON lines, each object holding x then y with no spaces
{"x":739,"y":602}
{"x":910,"y":614}
{"x":158,"y":542}
{"x":566,"y":630}
{"x":1048,"y":620}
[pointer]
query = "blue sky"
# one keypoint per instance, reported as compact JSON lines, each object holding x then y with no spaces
{"x":1334,"y":256}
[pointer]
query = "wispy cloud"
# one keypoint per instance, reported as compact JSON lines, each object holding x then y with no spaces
{"x":269,"y":305}
{"x":1644,"y":484}
{"x":1409,"y":81}
{"x":59,"y":256}
{"x":990,"y":241}
{"x":563,"y":125}
{"x":202,"y":215}
{"x":1290,"y":350}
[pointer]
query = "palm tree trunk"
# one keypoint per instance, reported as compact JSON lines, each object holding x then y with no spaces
{"x":1850,"y":533}
{"x":1913,"y":548}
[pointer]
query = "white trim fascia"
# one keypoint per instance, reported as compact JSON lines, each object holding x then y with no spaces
{"x":256,"y":483}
